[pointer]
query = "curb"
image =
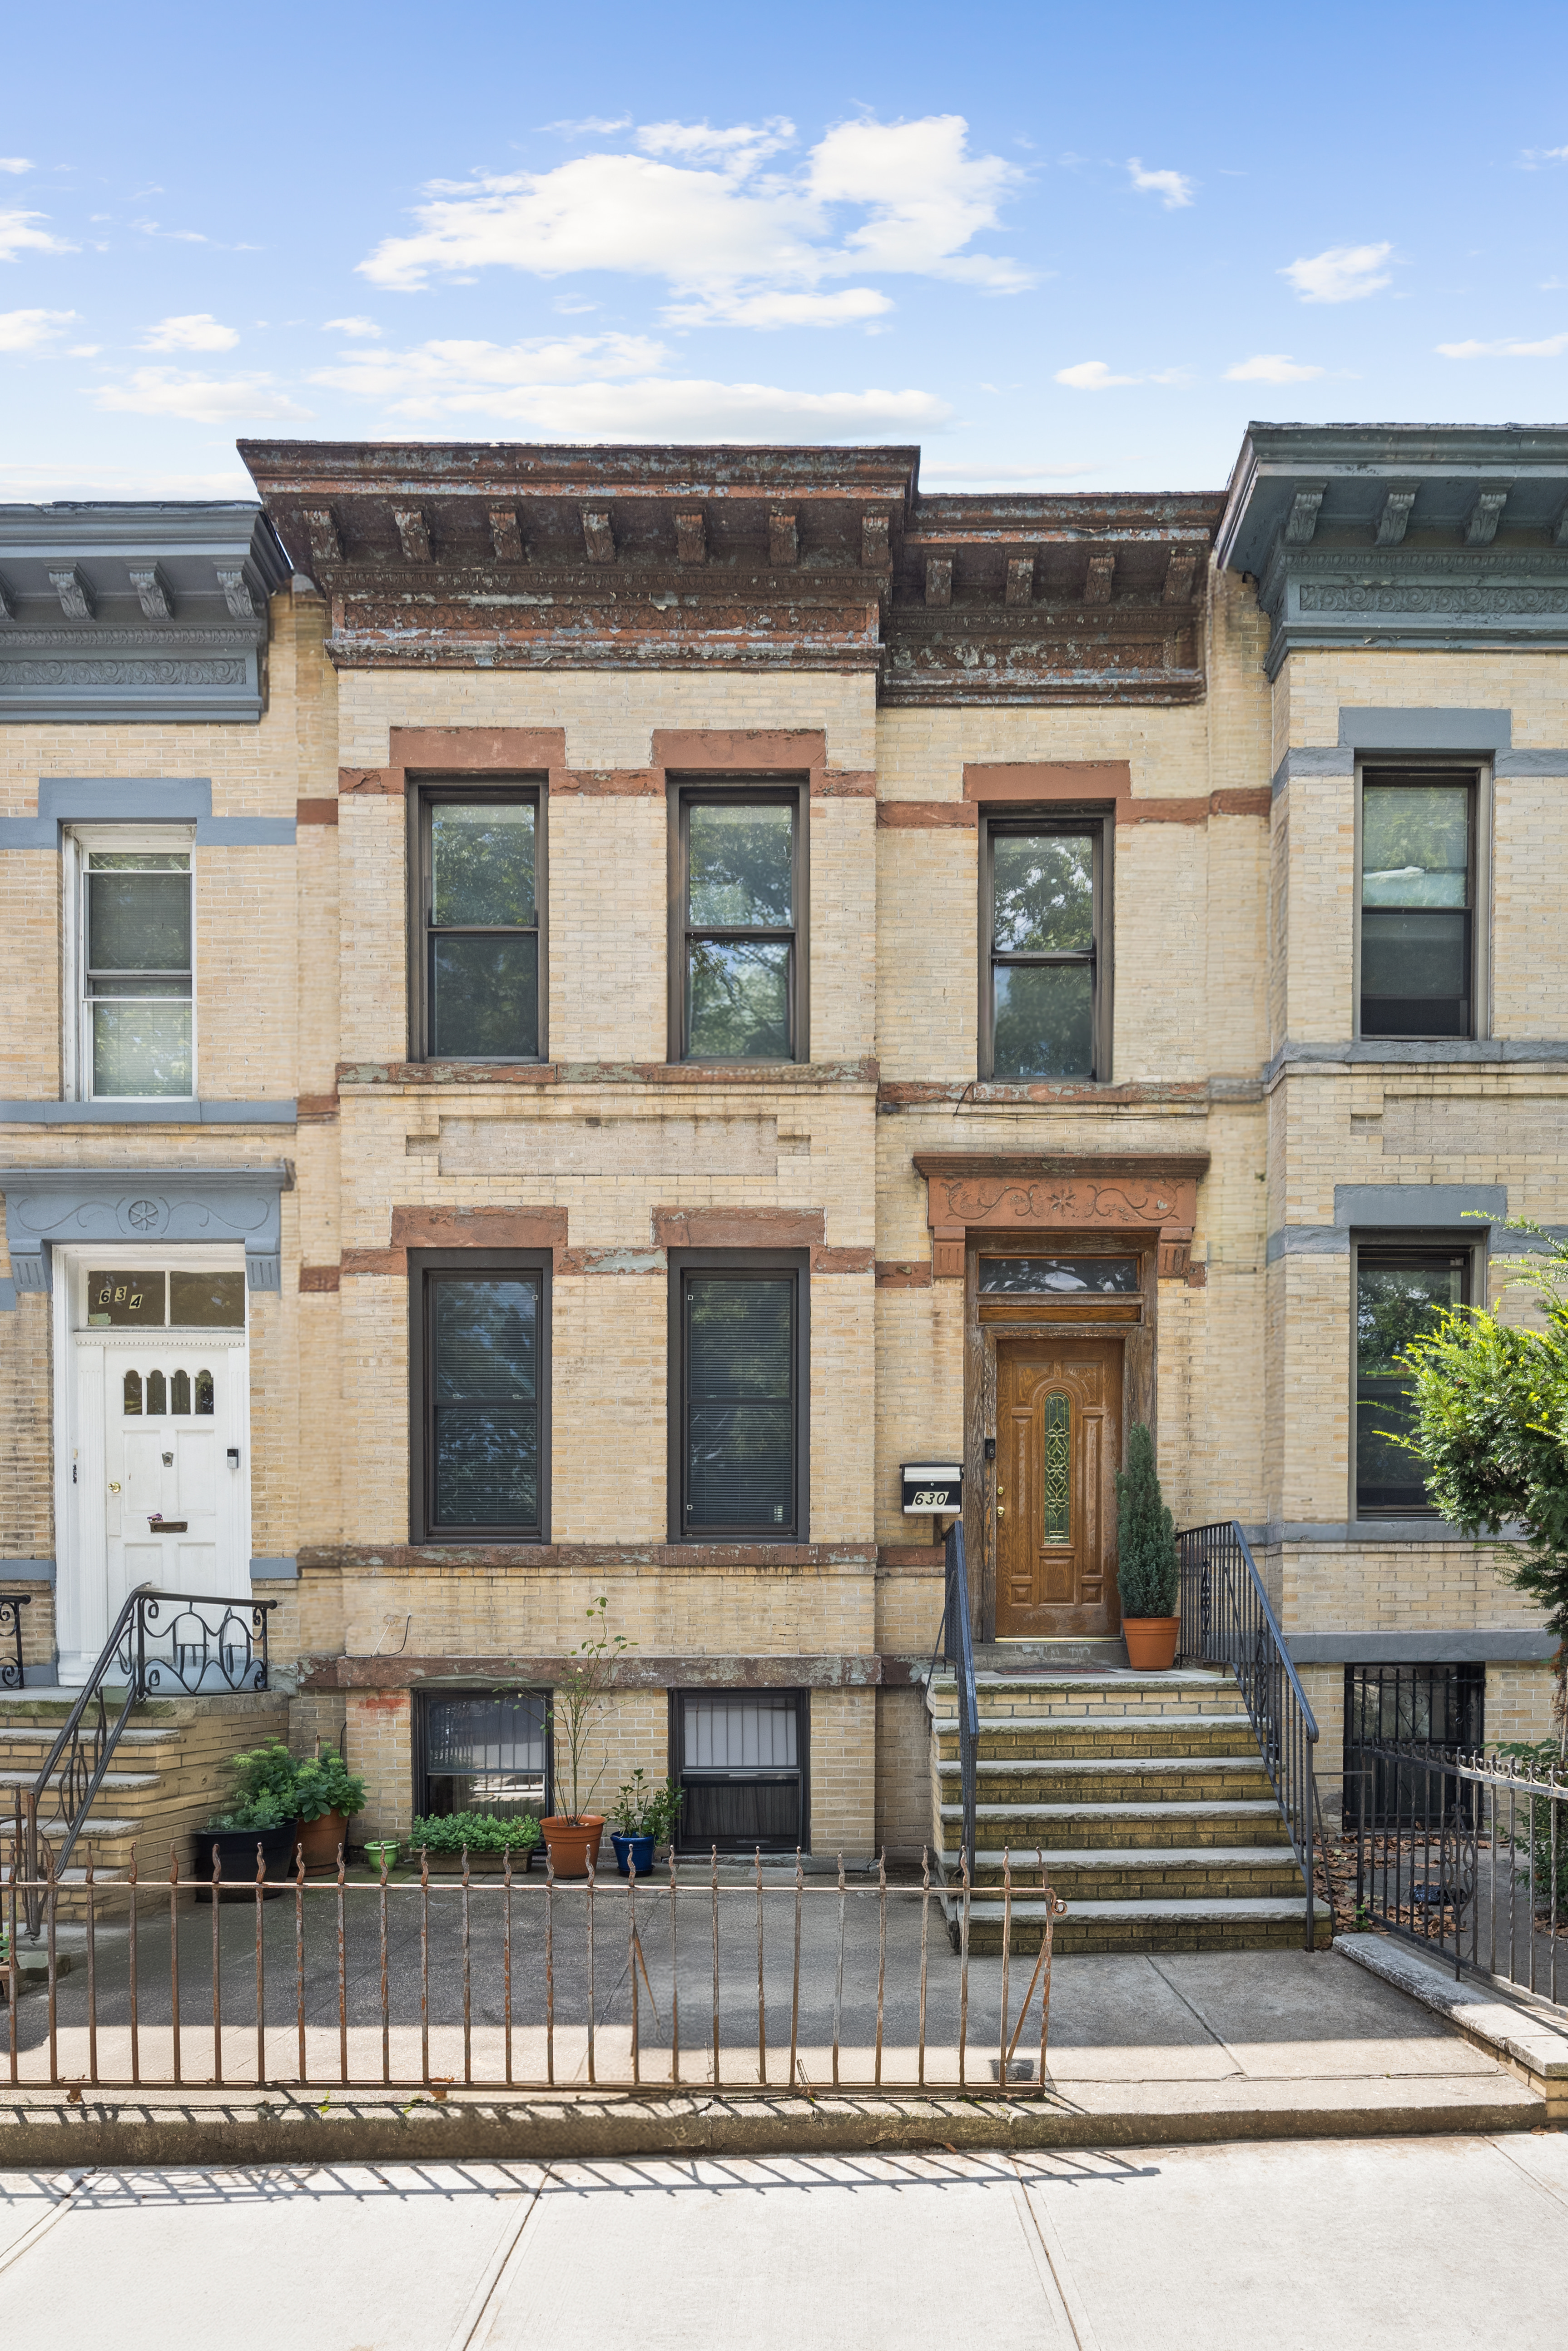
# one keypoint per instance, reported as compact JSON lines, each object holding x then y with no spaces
{"x":1524,"y":2034}
{"x":49,"y":2132}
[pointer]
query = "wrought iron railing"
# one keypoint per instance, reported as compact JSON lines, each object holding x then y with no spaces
{"x":161,"y":1644}
{"x":1464,"y":1855}
{"x":1227,"y":1621}
{"x":767,"y":1979}
{"x":11,"y":1606}
{"x":956,"y":1647}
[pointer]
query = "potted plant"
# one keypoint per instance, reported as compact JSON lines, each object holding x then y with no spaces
{"x":380,"y":1853}
{"x":445,"y":1837}
{"x":571,"y":1838}
{"x":261,"y":1812}
{"x":327,"y":1795}
{"x":1148,"y":1571}
{"x":645,"y":1815}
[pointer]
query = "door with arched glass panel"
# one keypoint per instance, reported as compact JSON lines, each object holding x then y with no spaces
{"x":1059,"y":1447}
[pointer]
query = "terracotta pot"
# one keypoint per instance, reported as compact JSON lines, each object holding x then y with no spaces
{"x":321,"y":1839}
{"x":1151,"y":1643}
{"x":573,"y":1844}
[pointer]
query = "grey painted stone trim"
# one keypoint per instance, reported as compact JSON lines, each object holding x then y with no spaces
{"x":48,"y":1206}
{"x":275,"y":1571}
{"x":1312,"y":759}
{"x":1411,"y":1205}
{"x":1418,"y":1052}
{"x":87,"y":799}
{"x":245,"y":832}
{"x":1306,"y":1240}
{"x":1487,"y":1644}
{"x":1503,"y":1243}
{"x":8,"y":1295}
{"x":147,"y":1113}
{"x":1368,"y":1533}
{"x":1530,"y":763}
{"x":1436,"y":729}
{"x":27,"y":1571}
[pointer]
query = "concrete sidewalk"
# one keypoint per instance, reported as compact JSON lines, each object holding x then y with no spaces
{"x":1190,"y":2047}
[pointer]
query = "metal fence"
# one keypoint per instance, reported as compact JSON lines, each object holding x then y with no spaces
{"x":955,"y":1643}
{"x":520,"y":1981}
{"x":1467,"y":1856}
{"x":1227,"y":1620}
{"x":12,"y":1671}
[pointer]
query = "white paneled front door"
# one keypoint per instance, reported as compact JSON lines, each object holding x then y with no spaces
{"x":162,"y":1484}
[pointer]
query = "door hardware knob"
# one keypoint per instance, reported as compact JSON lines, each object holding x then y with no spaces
{"x":113,"y":1486}
{"x":168,"y":1461}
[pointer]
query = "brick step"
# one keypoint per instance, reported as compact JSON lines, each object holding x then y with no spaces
{"x":1200,"y":1923}
{"x":120,"y":1782}
{"x":1006,"y":1697}
{"x":1172,"y":1872}
{"x":1120,"y":1736}
{"x":1064,"y":1828}
{"x":1153,"y":1779}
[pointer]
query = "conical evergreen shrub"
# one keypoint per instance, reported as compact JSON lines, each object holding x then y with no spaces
{"x":1146,"y":1569}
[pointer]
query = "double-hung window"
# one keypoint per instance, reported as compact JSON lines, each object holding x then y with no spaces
{"x":1045,"y":997}
{"x":1418,"y":960}
{"x":737,"y":984}
{"x":478,"y":889}
{"x":479,"y":1350}
{"x":739,"y":1356}
{"x":1401,"y":1294}
{"x":134,"y":1036}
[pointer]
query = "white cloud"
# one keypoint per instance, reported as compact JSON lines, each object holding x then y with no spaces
{"x":1533,"y":157}
{"x":16,"y":163}
{"x":201,"y":400}
{"x":850,"y":308}
{"x":592,"y":126}
{"x":1092,"y":375}
{"x":1345,"y":273}
{"x":35,"y":483}
{"x":83,"y":350}
{"x":607,"y":388}
{"x":17,"y":235}
{"x":360,"y":326}
{"x":196,"y":330}
{"x":24,"y":330}
{"x":715,"y":226}
{"x":1173,"y":189}
{"x":1272,"y":367}
{"x":1551,"y":347}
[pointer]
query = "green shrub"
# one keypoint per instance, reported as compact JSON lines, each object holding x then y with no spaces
{"x":261,"y":1796}
{"x":478,"y":1832}
{"x":1147,"y":1573}
{"x":324,"y":1783}
{"x":643,"y":1808}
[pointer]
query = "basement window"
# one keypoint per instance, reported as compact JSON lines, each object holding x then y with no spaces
{"x":740,"y":1757}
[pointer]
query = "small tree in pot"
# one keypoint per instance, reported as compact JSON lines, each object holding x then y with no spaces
{"x":1148,"y":1571}
{"x":571,"y":1838}
{"x":327,"y":1795}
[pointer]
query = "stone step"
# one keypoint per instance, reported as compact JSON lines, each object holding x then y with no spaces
{"x":1199,"y":1923}
{"x":1130,"y":1827}
{"x":1001,"y":1696}
{"x":1174,"y":1873}
{"x":1116,"y":1736}
{"x":1154,"y":1779}
{"x":120,"y":1782}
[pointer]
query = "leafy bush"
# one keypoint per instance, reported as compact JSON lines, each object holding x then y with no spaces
{"x":263,"y":1793}
{"x":478,"y":1832}
{"x":643,"y":1808}
{"x":1147,"y":1572}
{"x":1532,"y":1825}
{"x":324,"y":1783}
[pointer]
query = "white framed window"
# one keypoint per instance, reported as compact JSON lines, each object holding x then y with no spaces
{"x":130,"y":970}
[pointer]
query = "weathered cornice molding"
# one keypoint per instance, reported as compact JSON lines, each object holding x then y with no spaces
{"x":1427,"y":537}
{"x":496,"y":556}
{"x":152,"y":611}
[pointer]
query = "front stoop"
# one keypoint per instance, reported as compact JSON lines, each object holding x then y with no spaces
{"x":166,"y":1778}
{"x":1140,"y":1799}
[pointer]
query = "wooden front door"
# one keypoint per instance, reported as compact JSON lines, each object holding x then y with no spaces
{"x":1059,"y":1447}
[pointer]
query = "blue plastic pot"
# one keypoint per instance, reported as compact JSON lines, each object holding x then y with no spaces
{"x":630,"y":1850}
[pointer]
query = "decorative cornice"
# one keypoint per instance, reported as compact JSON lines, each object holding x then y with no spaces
{"x":1424,"y":537}
{"x":1152,"y":1192}
{"x":45,"y":1207}
{"x":519,"y":557}
{"x":164,"y":605}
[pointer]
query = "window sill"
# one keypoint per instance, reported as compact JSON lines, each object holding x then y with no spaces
{"x":186,"y":1111}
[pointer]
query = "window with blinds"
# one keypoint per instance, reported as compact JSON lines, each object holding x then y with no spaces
{"x":740,"y":1757}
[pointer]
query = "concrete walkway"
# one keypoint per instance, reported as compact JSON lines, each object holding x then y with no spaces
{"x":1448,"y":2243}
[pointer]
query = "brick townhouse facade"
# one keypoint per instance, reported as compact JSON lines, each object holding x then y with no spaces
{"x":569,"y":1010}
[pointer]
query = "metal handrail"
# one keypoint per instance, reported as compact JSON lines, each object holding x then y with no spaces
{"x":77,"y":1763}
{"x":1227,"y":1620}
{"x":14,"y":1676}
{"x":958,"y":1651}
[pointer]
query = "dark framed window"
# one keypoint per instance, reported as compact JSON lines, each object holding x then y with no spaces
{"x":1401,"y":1294}
{"x":1438,"y":1707}
{"x":1045,"y":897}
{"x":738,"y":980}
{"x":480,"y":1390}
{"x":742,"y":1759}
{"x":739,"y":1384}
{"x":483,"y":1752}
{"x":1417,"y":937}
{"x":477,"y":961}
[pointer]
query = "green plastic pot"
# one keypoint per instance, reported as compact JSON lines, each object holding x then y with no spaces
{"x":377,"y":1848}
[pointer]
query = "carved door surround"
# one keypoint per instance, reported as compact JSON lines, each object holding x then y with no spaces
{"x":1149,"y":1194}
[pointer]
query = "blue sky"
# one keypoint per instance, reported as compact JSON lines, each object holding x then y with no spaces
{"x":1056,"y":246}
